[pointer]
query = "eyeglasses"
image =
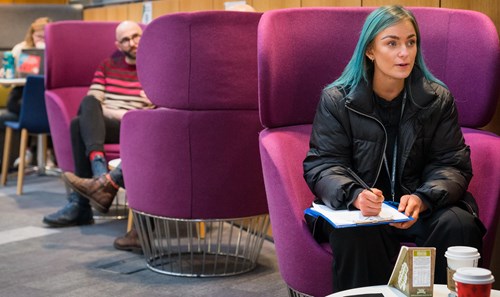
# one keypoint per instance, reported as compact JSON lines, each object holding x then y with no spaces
{"x":125,"y":41}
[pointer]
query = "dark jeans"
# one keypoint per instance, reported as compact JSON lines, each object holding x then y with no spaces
{"x":11,"y":113}
{"x":15,"y":99}
{"x":89,"y":131}
{"x":365,"y":256}
{"x":117,"y":176}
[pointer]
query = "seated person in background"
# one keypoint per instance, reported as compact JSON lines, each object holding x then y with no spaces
{"x":35,"y":38}
{"x":115,"y":90}
{"x":396,"y":126}
{"x":101,"y":191}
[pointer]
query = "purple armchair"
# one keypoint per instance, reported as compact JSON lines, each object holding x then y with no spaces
{"x":195,"y":159}
{"x":301,"y":51}
{"x":74,"y":49}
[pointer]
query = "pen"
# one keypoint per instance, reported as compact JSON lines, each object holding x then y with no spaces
{"x":366,"y":186}
{"x":358,"y":179}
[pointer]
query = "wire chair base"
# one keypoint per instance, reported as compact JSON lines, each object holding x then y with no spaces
{"x":201,"y":248}
{"x":295,"y":293}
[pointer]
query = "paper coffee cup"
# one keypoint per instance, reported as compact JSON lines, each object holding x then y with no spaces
{"x":473,"y":281}
{"x":459,"y":256}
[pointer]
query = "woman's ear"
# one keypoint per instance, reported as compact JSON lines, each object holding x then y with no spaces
{"x":369,"y":53}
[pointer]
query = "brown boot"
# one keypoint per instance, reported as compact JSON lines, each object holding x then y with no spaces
{"x":129,"y":242}
{"x":99,"y":191}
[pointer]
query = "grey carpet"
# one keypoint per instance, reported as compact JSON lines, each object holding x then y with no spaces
{"x":81,"y":261}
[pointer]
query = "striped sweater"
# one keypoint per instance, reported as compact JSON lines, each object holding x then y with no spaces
{"x":119,"y":82}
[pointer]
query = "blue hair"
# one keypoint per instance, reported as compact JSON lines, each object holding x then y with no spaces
{"x":360,"y":67}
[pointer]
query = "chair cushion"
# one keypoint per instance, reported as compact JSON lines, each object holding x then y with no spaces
{"x":74,"y":64}
{"x":484,"y":185}
{"x":204,"y":68}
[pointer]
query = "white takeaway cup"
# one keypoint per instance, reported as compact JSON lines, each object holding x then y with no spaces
{"x":457,"y":257}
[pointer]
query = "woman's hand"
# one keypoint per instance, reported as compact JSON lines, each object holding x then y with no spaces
{"x":412,"y":206}
{"x":369,"y":202}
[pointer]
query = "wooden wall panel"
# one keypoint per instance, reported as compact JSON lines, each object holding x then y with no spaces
{"x":165,"y":6}
{"x":196,"y":5}
{"x":94,"y":14}
{"x":265,"y":5}
{"x":116,"y":13}
{"x":429,"y":3}
{"x":219,"y":4}
{"x":317,"y":3}
{"x":38,"y":2}
{"x":134,"y":11}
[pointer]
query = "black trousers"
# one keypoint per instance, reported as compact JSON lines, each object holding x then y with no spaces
{"x":365,"y":256}
{"x":90,"y":129}
{"x":11,"y":113}
{"x":5,"y":116}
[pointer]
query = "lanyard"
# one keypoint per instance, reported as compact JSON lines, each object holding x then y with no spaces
{"x":392,"y":173}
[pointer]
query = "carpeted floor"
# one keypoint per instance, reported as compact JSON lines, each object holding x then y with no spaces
{"x":81,"y":261}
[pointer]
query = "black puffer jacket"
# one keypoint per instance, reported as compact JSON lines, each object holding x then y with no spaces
{"x":433,"y":159}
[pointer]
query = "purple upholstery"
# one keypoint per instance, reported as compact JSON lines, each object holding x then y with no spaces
{"x":304,"y":265}
{"x":74,"y":49}
{"x":453,"y":48}
{"x":485,"y":185}
{"x":196,"y":156}
{"x":301,"y":51}
{"x":461,"y":48}
{"x":205,"y":75}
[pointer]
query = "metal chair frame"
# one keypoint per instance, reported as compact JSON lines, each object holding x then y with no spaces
{"x":201,"y":248}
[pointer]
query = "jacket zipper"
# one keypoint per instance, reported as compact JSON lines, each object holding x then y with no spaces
{"x":385,"y":139}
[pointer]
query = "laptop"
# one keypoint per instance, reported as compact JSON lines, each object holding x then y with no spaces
{"x":31,"y":61}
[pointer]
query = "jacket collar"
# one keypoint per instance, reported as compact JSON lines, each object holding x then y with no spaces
{"x":420,"y":93}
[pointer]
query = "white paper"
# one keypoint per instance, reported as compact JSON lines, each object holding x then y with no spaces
{"x":349,"y":218}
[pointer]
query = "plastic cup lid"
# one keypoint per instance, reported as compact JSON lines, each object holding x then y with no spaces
{"x":462,"y":252}
{"x":473,"y":275}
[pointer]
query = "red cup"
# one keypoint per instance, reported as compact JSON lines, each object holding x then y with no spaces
{"x":473,"y":282}
{"x":473,"y":290}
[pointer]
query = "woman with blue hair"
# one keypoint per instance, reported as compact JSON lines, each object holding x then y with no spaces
{"x":389,"y":124}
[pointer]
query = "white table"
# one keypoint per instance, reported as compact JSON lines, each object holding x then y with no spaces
{"x":439,"y":291}
{"x":12,"y":82}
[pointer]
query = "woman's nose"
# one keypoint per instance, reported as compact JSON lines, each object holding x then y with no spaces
{"x":404,"y":51}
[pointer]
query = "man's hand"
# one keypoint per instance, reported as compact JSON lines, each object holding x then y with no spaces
{"x":113,"y":113}
{"x":370,"y":203}
{"x":99,"y":95}
{"x":143,"y":95}
{"x":412,"y":206}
